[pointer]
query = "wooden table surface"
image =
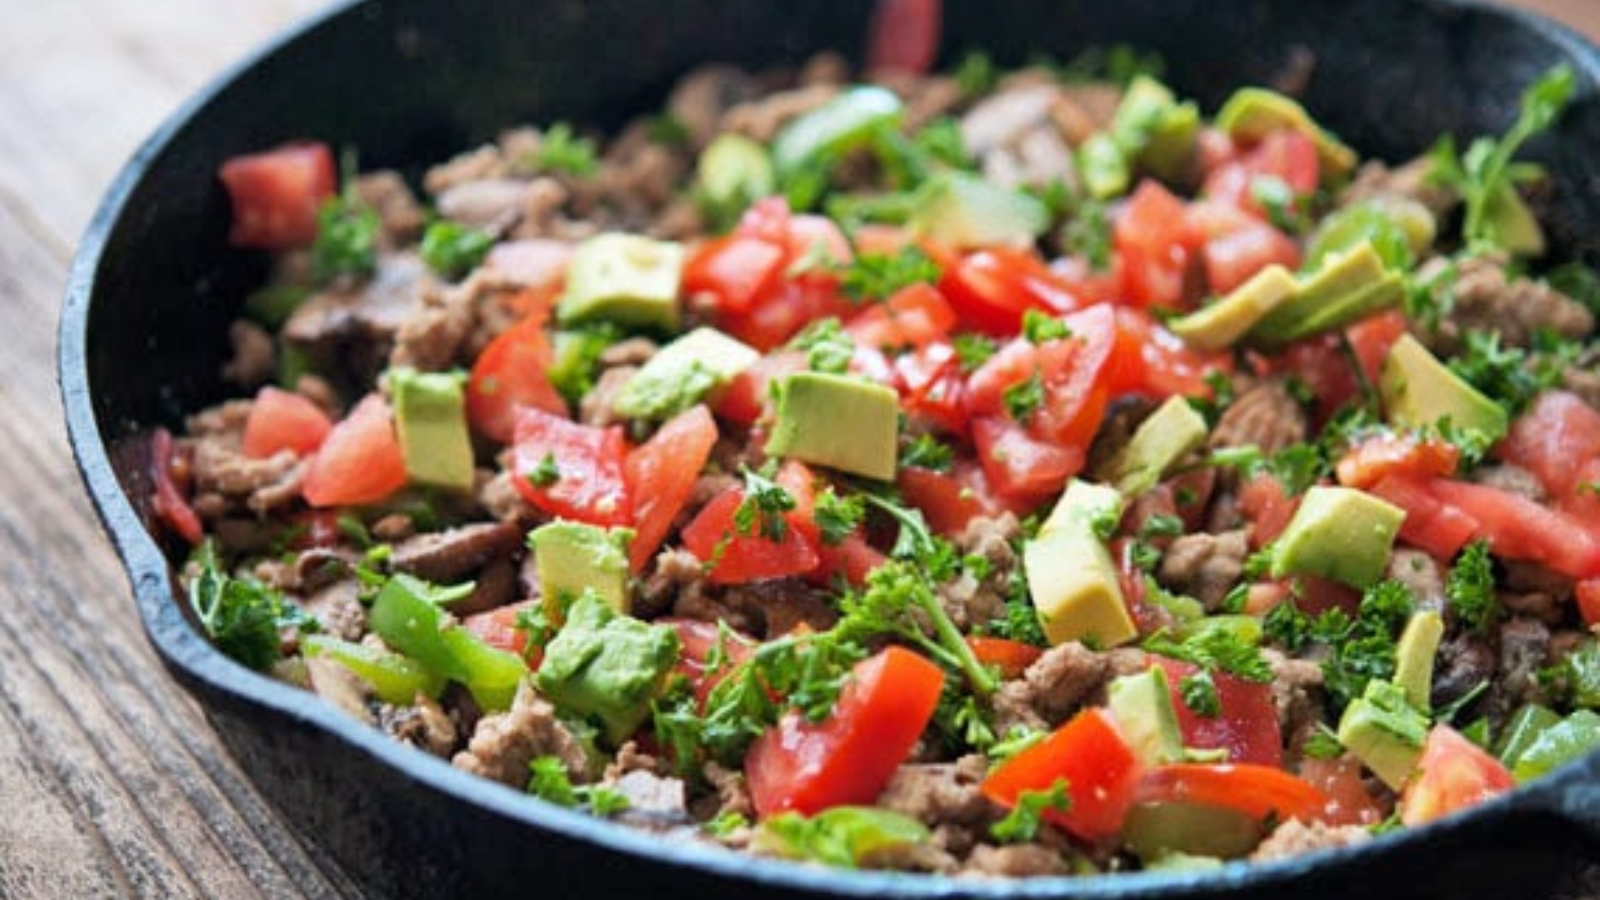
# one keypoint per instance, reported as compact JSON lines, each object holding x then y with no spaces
{"x":111,"y":782}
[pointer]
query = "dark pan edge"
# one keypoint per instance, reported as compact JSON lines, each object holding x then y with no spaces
{"x":199,"y":665}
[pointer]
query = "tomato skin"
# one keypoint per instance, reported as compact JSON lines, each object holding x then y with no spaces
{"x":1340,"y":779}
{"x":746,"y":398}
{"x":1383,"y":456}
{"x":660,"y":475}
{"x":510,"y":373}
{"x":498,"y":628}
{"x":1267,"y":507}
{"x":1247,"y":727}
{"x":850,"y":756}
{"x":1372,"y":338}
{"x":1255,"y":790}
{"x":1587,"y":593}
{"x":914,"y":316}
{"x":280,"y":420}
{"x":1453,"y":774}
{"x":359,"y":461}
{"x":1552,"y":439}
{"x":736,"y":269}
{"x":1075,"y":374}
{"x":945,"y":499}
{"x":699,"y":640}
{"x":1102,"y":773}
{"x":1012,"y":658}
{"x":276,"y":194}
{"x":1149,"y":359}
{"x":853,"y":558}
{"x":1518,"y":528}
{"x":745,"y":558}
{"x":591,"y":487}
{"x":904,"y":36}
{"x":992,"y":288}
{"x":1430,"y":525}
{"x":1233,"y":259}
{"x":1153,"y":245}
{"x":1287,"y":154}
{"x":1020,"y":468}
{"x":932,"y":387}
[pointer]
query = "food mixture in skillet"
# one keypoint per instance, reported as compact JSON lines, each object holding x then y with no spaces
{"x":989,"y":472}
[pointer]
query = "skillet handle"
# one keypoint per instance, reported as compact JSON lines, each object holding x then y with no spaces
{"x":1572,"y":796}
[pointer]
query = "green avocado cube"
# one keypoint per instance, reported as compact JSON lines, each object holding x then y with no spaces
{"x":839,"y":421}
{"x":1349,"y":285}
{"x":626,"y":279}
{"x":573,"y":557}
{"x":683,"y":373}
{"x":1338,"y":533}
{"x":1414,"y":654}
{"x":1170,"y":433}
{"x":1418,"y":390}
{"x":606,"y":665}
{"x":1073,"y":581}
{"x":966,"y":211}
{"x":1385,"y":732}
{"x":1219,"y":325}
{"x":431,"y":419}
{"x":1252,"y":112}
{"x":1142,"y":706}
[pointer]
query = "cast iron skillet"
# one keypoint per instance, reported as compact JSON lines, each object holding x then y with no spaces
{"x":410,"y":81}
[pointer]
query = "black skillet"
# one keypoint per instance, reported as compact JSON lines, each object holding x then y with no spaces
{"x":412,"y":81}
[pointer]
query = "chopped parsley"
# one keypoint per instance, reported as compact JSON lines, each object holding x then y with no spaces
{"x":1470,"y":588}
{"x":1024,"y":398}
{"x":875,"y":276}
{"x":546,"y":473}
{"x":761,"y":511}
{"x":839,"y":516}
{"x":242,"y":616}
{"x":827,"y":347}
{"x":927,"y":452}
{"x":347,"y":240}
{"x":1039,"y":327}
{"x":973,"y":350}
{"x":452,"y":249}
{"x":726,"y":824}
{"x":548,"y":780}
{"x":1022,"y":823}
{"x":1212,"y":649}
{"x":1362,"y":649}
{"x":976,"y":73}
{"x":562,"y":151}
{"x":1506,"y":375}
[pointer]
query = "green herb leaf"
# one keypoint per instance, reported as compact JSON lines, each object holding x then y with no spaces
{"x":973,"y":350}
{"x":1039,"y":327}
{"x":242,"y":616}
{"x":827,"y":347}
{"x":546,"y":473}
{"x":876,"y":276}
{"x":347,"y":240}
{"x":843,"y":836}
{"x":1022,"y":823}
{"x":452,"y":249}
{"x":1024,"y":398}
{"x":1470,"y":588}
{"x":927,"y":452}
{"x":761,"y":511}
{"x":838,"y":516}
{"x":561,"y":151}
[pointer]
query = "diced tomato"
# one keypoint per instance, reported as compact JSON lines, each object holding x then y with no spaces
{"x":1587,"y":593}
{"x":1012,"y":658}
{"x":359,"y":461}
{"x":793,"y":305}
{"x":1552,"y":439}
{"x":736,"y":269}
{"x":1321,"y":365}
{"x":1340,"y":779}
{"x":276,"y":194}
{"x":1453,"y":774}
{"x":511,"y":373}
{"x":498,"y":628}
{"x":904,"y":36}
{"x":1268,"y":509}
{"x":913,"y":316}
{"x":1089,"y":285}
{"x":1151,"y":360}
{"x":590,"y":486}
{"x":280,"y":420}
{"x":1406,"y":456}
{"x":1100,"y":770}
{"x":1518,"y":528}
{"x":168,"y":470}
{"x":1153,"y":244}
{"x":1318,"y":595}
{"x":1075,"y":375}
{"x":700,"y":642}
{"x":810,"y":235}
{"x":1430,"y":525}
{"x":948,"y":500}
{"x":1259,"y":792}
{"x":1235,"y":258}
{"x":1246,"y":726}
{"x":1216,"y":149}
{"x":747,"y":396}
{"x":660,"y":475}
{"x":1019,"y":467}
{"x":739,"y":558}
{"x":1372,"y":338}
{"x":854,"y":558}
{"x":850,"y":756}
{"x":801,"y":483}
{"x":992,"y":288}
{"x":1286,"y":154}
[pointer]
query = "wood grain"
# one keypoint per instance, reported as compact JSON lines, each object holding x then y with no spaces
{"x":112,"y":784}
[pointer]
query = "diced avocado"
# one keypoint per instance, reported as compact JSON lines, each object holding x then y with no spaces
{"x":1418,"y":390}
{"x":1513,"y":224}
{"x":1557,"y":745}
{"x":1384,"y":732}
{"x":1338,"y":533}
{"x":1103,"y":168}
{"x":1142,"y":705}
{"x":963,"y":211}
{"x":1252,"y":113}
{"x":574,"y":557}
{"x":1413,"y":670}
{"x":1074,"y":582}
{"x":606,"y":665}
{"x":1169,"y":434}
{"x":835,"y":126}
{"x":431,"y":418}
{"x":408,"y":614}
{"x":1155,"y":131}
{"x":623,"y":278}
{"x":1400,"y":230}
{"x":851,"y":837}
{"x":734,"y":171}
{"x":1221,"y":324}
{"x":1525,"y":725}
{"x":1161,"y":830}
{"x":683,"y":373}
{"x":394,"y":678}
{"x":839,"y":421}
{"x":1349,"y":286}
